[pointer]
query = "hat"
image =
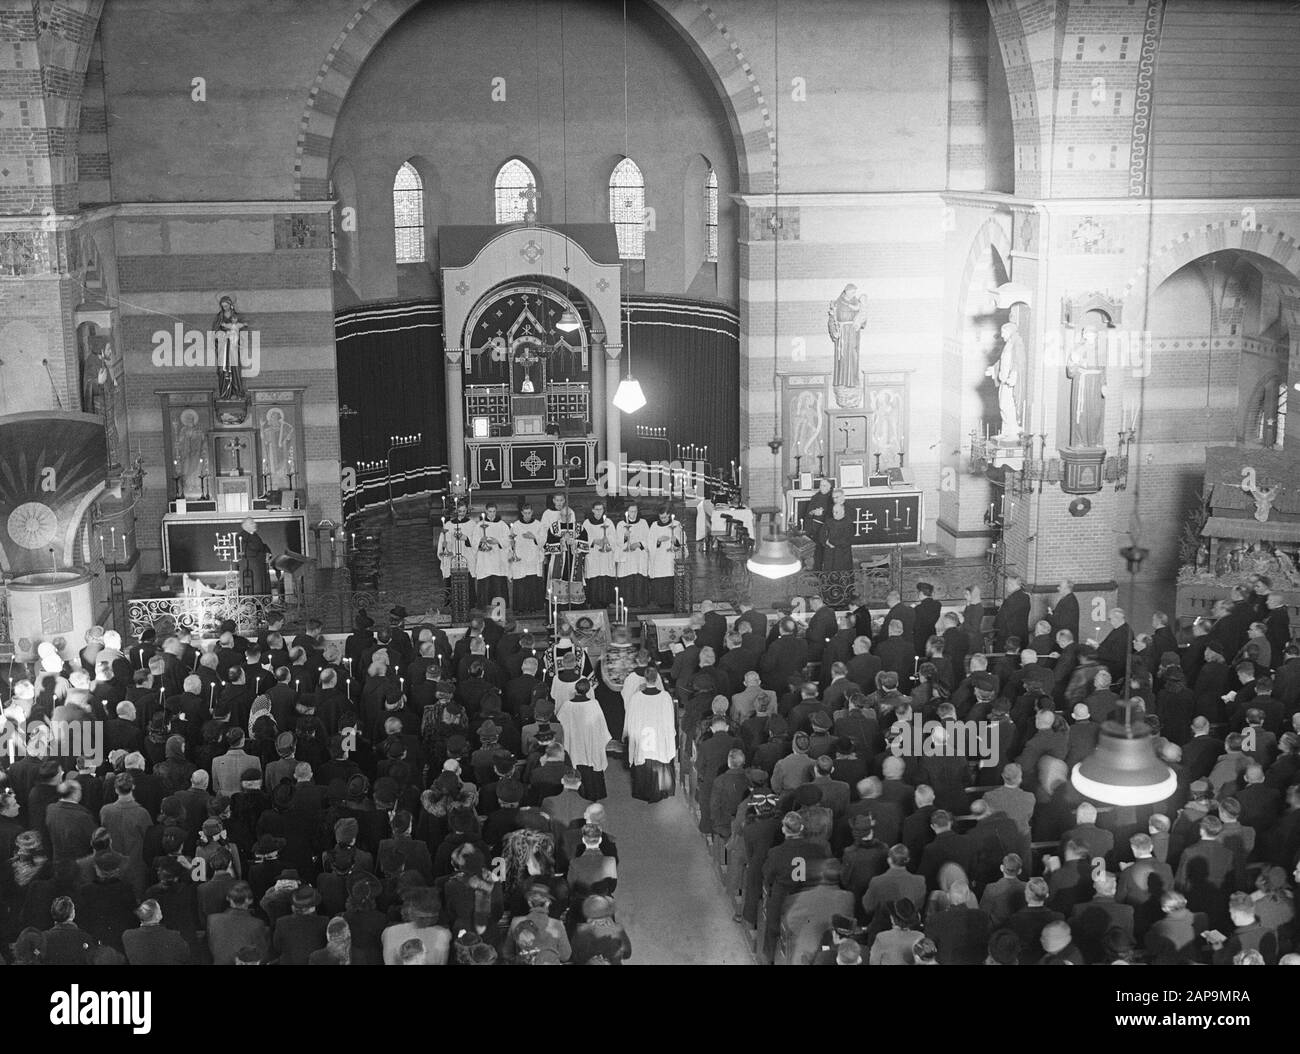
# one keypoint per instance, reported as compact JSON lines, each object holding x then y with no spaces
{"x":172,"y":807}
{"x":397,"y":611}
{"x":801,"y":740}
{"x":984,"y":682}
{"x":228,"y":626}
{"x":306,"y":897}
{"x":808,"y":794}
{"x":510,"y":790}
{"x":386,"y":791}
{"x":284,"y":743}
{"x":757,"y":777}
{"x":1200,"y":787}
{"x":446,"y":687}
{"x":358,"y":787}
{"x":1004,"y":948}
{"x":268,"y":844}
{"x":844,"y":926}
{"x":820,"y":720}
{"x":489,"y":730}
{"x":449,"y":783}
{"x":29,"y":841}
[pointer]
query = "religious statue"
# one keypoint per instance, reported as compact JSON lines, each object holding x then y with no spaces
{"x":1007,"y":373}
{"x":846,"y":318}
{"x":1084,"y":367}
{"x":188,"y":442}
{"x":886,"y":423}
{"x":99,"y":388}
{"x":229,"y":329}
{"x":1264,"y":496}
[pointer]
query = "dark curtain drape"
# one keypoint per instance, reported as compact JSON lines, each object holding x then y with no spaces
{"x":392,"y":383}
{"x":686,"y":354}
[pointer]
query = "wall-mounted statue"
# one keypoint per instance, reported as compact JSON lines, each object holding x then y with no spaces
{"x":1008,"y":373}
{"x":846,"y":318}
{"x":1084,"y":365}
{"x":229,"y":328}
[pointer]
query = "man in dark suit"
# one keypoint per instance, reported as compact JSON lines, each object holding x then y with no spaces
{"x":948,"y":847}
{"x":1207,"y":873}
{"x":1286,"y":679}
{"x":960,"y":933}
{"x":900,"y":611}
{"x":784,"y":657}
{"x":1113,"y":651}
{"x":1064,"y":612}
{"x":821,"y":628}
{"x":757,"y":622}
{"x":1201,"y":751}
{"x":863,"y":667}
{"x":152,"y":943}
{"x":714,"y":632}
{"x":1028,"y":923}
{"x":237,"y":927}
{"x":925,"y":616}
{"x":1012,"y":619}
{"x":299,"y":934}
{"x":1091,"y":922}
{"x":896,"y":653}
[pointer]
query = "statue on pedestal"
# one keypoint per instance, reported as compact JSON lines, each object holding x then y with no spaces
{"x":1007,"y":373}
{"x":229,"y":329}
{"x":846,"y":318}
{"x":1084,"y":367}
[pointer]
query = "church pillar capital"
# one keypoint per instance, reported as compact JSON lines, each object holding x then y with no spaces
{"x":454,"y":356}
{"x":613,"y":351}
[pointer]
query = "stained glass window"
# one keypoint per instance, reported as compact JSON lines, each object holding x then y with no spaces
{"x":627,"y":209}
{"x":408,"y":215}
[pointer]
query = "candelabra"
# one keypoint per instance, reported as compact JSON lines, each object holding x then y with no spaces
{"x":396,"y":443}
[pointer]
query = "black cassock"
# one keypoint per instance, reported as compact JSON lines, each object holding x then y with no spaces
{"x":253,"y":573}
{"x":837,"y":537}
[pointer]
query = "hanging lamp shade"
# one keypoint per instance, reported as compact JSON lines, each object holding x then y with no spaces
{"x":775,"y":557}
{"x":1124,"y":769}
{"x":629,"y":398}
{"x":569,"y":321}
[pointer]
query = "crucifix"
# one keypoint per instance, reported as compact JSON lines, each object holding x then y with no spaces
{"x":845,"y":430}
{"x":529,"y":197}
{"x":235,"y":446}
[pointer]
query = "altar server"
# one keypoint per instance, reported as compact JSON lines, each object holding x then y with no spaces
{"x":492,"y":544}
{"x":600,"y":537}
{"x":585,"y":738}
{"x":456,"y":544}
{"x":527,"y":536}
{"x":664,"y":542}
{"x":633,"y":556}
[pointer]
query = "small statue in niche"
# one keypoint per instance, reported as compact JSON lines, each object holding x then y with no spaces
{"x":1083,"y":366}
{"x":1007,"y":373}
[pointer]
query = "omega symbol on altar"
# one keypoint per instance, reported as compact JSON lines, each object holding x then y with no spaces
{"x":33,"y":525}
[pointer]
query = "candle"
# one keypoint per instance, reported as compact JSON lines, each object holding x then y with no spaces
{"x":297,"y":685}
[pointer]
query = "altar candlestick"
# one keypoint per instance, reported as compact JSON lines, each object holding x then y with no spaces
{"x":212,"y":694}
{"x":297,"y":685}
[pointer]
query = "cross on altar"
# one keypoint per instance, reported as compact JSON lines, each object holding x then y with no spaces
{"x":227,"y":547}
{"x":235,"y":446}
{"x":863,"y":521}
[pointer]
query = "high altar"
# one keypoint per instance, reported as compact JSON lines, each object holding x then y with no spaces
{"x":529,"y":393}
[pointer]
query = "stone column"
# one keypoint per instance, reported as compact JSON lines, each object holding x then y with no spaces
{"x":455,"y":412}
{"x":598,"y":372}
{"x":613,"y":418}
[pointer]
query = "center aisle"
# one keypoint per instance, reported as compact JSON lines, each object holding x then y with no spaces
{"x":669,"y":897}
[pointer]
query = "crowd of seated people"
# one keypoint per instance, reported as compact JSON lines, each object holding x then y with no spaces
{"x":844,"y":841}
{"x":279,"y":799}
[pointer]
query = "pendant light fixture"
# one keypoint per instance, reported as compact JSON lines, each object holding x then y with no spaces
{"x":775,"y":556}
{"x":1124,"y":769}
{"x":629,"y":398}
{"x":569,"y":321}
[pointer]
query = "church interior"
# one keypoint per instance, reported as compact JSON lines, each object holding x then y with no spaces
{"x":355,"y":354}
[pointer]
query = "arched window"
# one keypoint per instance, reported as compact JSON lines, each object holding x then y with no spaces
{"x":408,"y":215}
{"x":711,"y":217}
{"x":516,"y":193}
{"x":627,"y":209}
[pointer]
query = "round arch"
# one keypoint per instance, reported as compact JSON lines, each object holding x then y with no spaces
{"x":712,"y":43}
